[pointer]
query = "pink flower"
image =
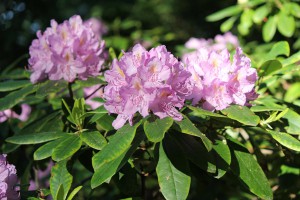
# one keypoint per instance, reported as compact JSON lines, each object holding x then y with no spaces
{"x":8,"y":180}
{"x":217,"y":82}
{"x":9,"y":113}
{"x":93,"y":92}
{"x":98,"y":27}
{"x":143,"y":81}
{"x":66,"y":51}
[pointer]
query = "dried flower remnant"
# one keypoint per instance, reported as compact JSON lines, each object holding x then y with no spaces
{"x":143,"y":81}
{"x":66,"y":51}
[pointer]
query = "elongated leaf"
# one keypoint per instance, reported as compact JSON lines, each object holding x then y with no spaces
{"x":186,"y":126}
{"x":294,"y":122}
{"x":228,"y":24}
{"x":286,"y":24}
{"x":16,"y":97}
{"x":50,"y":86}
{"x":67,"y":147}
{"x":269,"y":28}
{"x":174,"y":184}
{"x":46,"y":150}
{"x":227,"y":12}
{"x":269,"y":67}
{"x":246,"y":168}
{"x":280,"y":48}
{"x":13,"y":85}
{"x":35,"y":138}
{"x":60,"y":176}
{"x":223,"y":161}
{"x":117,"y":145}
{"x":200,"y":112}
{"x":105,"y":122}
{"x":286,"y":140}
{"x":241,"y":114}
{"x":94,"y":139}
{"x":291,"y":60}
{"x":61,"y":193}
{"x":107,"y":170}
{"x":292,"y":93}
{"x":260,"y":13}
{"x":74,"y":192}
{"x":156,"y":128}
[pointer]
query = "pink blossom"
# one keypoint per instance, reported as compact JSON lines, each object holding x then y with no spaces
{"x":66,"y":51}
{"x":217,"y":82}
{"x":98,"y":27}
{"x":9,"y":113}
{"x":8,"y":180}
{"x":93,"y":92}
{"x":143,"y":81}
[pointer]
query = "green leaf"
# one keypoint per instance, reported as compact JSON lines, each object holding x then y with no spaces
{"x":94,"y":139}
{"x":112,"y":53}
{"x":187,"y":127}
{"x":295,"y":9}
{"x":228,"y":24}
{"x":90,"y":82}
{"x":67,"y":147}
{"x":156,"y":128}
{"x":107,"y":170}
{"x":294,"y":122}
{"x":227,"y":12}
{"x":260,"y":13}
{"x":291,"y":60}
{"x":78,"y":111}
{"x":16,"y":97}
{"x":60,"y":194}
{"x":174,"y":184}
{"x":279,"y":48}
{"x":47,"y":87}
{"x":269,"y":29}
{"x":224,"y":159}
{"x":292,"y":93}
{"x":60,"y":176}
{"x":46,"y":150}
{"x":245,"y":22}
{"x":200,"y":112}
{"x":35,"y":138}
{"x":105,"y":122}
{"x":246,"y":168}
{"x":117,"y":145}
{"x":286,"y":24}
{"x":13,"y":85}
{"x":269,"y":67}
{"x":285,"y":139}
{"x":74,"y":192}
{"x":241,"y":114}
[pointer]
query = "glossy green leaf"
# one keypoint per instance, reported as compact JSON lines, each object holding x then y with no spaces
{"x":241,"y":114}
{"x":67,"y":147}
{"x":293,"y":121}
{"x":260,"y":13}
{"x":291,"y":60}
{"x":105,"y":122}
{"x":187,"y":127}
{"x":16,"y":97}
{"x":227,"y":12}
{"x":246,"y":168}
{"x":295,"y":9}
{"x":269,"y":67}
{"x":46,"y":150}
{"x":174,"y":184}
{"x":228,"y":24}
{"x":107,"y":170}
{"x":13,"y":85}
{"x":292,"y":93}
{"x":35,"y":138}
{"x":286,"y":24}
{"x":279,"y":48}
{"x":285,"y":139}
{"x":223,"y":161}
{"x":94,"y":139}
{"x":200,"y":112}
{"x":245,"y":22}
{"x":269,"y":29}
{"x":156,"y":128}
{"x":74,"y":192}
{"x":116,"y":146}
{"x":60,"y":195}
{"x":60,"y":176}
{"x":50,"y":86}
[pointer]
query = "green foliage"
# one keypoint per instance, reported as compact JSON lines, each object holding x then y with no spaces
{"x":156,"y":128}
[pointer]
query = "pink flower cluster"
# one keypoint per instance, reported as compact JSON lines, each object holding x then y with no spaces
{"x":66,"y":51}
{"x":8,"y":180}
{"x":9,"y":113}
{"x":98,"y":27}
{"x":220,"y":42}
{"x":218,"y":82}
{"x":143,"y":81}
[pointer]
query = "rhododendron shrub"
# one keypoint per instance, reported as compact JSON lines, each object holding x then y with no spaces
{"x":132,"y":113}
{"x":146,"y":81}
{"x":66,"y":51}
{"x":8,"y":180}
